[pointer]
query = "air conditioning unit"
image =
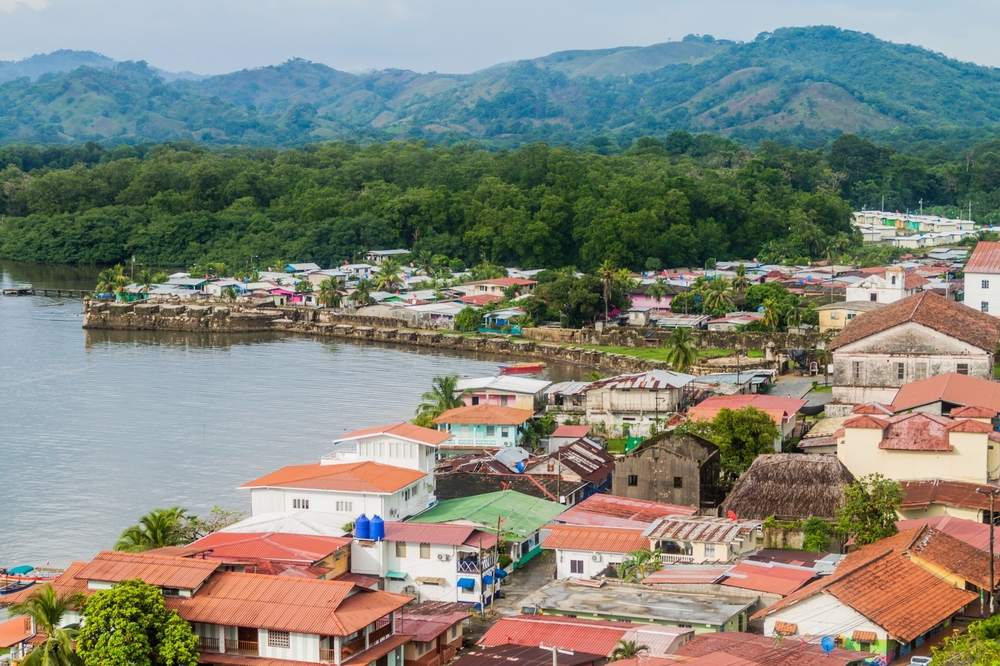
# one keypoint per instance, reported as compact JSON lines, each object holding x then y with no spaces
{"x":393,"y":513}
{"x":444,"y":557}
{"x":596,"y":557}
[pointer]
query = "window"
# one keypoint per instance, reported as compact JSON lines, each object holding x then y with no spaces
{"x":475,"y":400}
{"x":984,"y":306}
{"x":834,"y":315}
{"x":709,"y":550}
{"x":856,"y":369}
{"x":300,"y":504}
{"x":873,"y":296}
{"x":170,"y":592}
{"x":344,"y":506}
{"x":454,"y":632}
{"x":850,"y":316}
{"x":491,"y":430}
{"x":962,"y":368}
{"x":678,"y":482}
{"x":986,"y":284}
{"x":406,"y":495}
{"x":278,"y":639}
{"x":503,"y":400}
{"x":920,"y":370}
{"x":425,"y":551}
{"x":505,"y":432}
{"x":633,"y":479}
{"x":400,"y":549}
{"x":900,"y":371}
{"x":865,"y":646}
{"x":576,"y":566}
{"x":894,"y":279}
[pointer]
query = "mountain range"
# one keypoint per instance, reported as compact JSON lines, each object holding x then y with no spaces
{"x":812,"y":82}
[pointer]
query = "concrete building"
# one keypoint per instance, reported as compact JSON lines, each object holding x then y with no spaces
{"x":701,"y":539}
{"x":835,"y":316}
{"x":673,"y":470}
{"x":587,"y":551}
{"x":982,"y":278}
{"x":399,"y":444}
{"x":896,"y":284}
{"x":482,"y":428}
{"x":918,"y":337}
{"x":504,"y":391}
{"x":632,"y":405}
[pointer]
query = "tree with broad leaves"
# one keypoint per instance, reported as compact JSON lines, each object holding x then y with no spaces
{"x":869,"y":511}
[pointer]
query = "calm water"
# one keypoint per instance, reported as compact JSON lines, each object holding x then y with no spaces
{"x":98,"y":427}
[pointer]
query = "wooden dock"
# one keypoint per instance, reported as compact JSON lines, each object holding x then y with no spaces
{"x":29,"y":290}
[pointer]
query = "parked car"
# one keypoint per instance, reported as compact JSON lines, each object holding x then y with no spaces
{"x":921,"y":661}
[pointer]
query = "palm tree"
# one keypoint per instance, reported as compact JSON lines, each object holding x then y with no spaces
{"x":681,"y":353}
{"x":330,"y":294}
{"x":607,"y":272}
{"x":108,"y":279}
{"x":46,"y":610}
{"x":719,"y":296}
{"x":740,"y":281}
{"x":425,"y":262}
{"x":157,"y":529}
{"x":772,"y":313}
{"x":362,"y":294}
{"x":229,"y":293}
{"x":627,"y":650}
{"x":145,"y":280}
{"x":795,"y":313}
{"x":388,"y":276}
{"x":440,"y":399}
{"x":658,"y":290}
{"x":639,"y":564}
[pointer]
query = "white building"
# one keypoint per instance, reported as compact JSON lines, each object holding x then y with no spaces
{"x":433,"y":562}
{"x":400,"y":444}
{"x":631,"y":404}
{"x":346,"y":489}
{"x":586,"y":551}
{"x":895,"y":285}
{"x":982,"y":278}
{"x":504,"y":391}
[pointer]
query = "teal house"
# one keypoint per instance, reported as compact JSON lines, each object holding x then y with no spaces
{"x":478,"y":428}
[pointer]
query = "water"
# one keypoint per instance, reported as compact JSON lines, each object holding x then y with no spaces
{"x":99,"y":427}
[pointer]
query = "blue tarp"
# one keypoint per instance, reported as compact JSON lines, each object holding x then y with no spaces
{"x":487,"y":579}
{"x":500,"y":573}
{"x":467,"y":583}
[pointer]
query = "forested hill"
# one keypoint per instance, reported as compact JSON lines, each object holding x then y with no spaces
{"x":804,"y":84}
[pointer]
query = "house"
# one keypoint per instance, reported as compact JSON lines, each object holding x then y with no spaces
{"x":358,"y":271}
{"x":567,"y":434}
{"x":378,"y":256}
{"x":578,"y":463}
{"x":783,"y":411}
{"x":16,"y":635}
{"x":896,"y":284}
{"x":497,"y":286}
{"x":611,"y":511}
{"x":586,"y":551}
{"x":436,"y":628}
{"x":502,"y":321}
{"x":399,"y":444}
{"x":976,"y":534}
{"x":918,"y":337}
{"x":919,"y":445}
{"x":528,"y":656}
{"x":754,"y":650}
{"x":639,"y":316}
{"x":982,"y":278}
{"x":187,"y":283}
{"x":279,"y":554}
{"x":504,"y":391}
{"x":945,"y":393}
{"x":567,"y":400}
{"x":768,"y":577}
{"x":431,"y":562}
{"x":347,"y":489}
{"x":482,"y":427}
{"x":926,"y":498}
{"x":634,"y":404}
{"x":520,"y":518}
{"x":593,"y":636}
{"x":640,"y":297}
{"x":318,"y":277}
{"x":680,"y":470}
{"x":240,"y":617}
{"x":476,"y":474}
{"x":704,"y":612}
{"x":731,"y":321}
{"x":307,"y":267}
{"x":790,"y":486}
{"x":835,"y":316}
{"x":950,"y":559}
{"x":877,"y":602}
{"x":702,"y":539}
{"x":219,"y":288}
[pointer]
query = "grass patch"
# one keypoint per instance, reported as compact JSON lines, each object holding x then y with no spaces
{"x":714,"y":353}
{"x":755,"y":353}
{"x":616,"y":445}
{"x":822,"y":389}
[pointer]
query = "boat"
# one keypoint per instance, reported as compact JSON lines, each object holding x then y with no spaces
{"x":521,"y":368}
{"x":16,"y":586}
{"x":26,"y":572}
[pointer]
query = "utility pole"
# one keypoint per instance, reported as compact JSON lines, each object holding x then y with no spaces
{"x":921,"y":206}
{"x":496,"y":564}
{"x":992,"y":493}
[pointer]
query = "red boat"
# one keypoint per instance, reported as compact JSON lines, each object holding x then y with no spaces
{"x":522,"y":368}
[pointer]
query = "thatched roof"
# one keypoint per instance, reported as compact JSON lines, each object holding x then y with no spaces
{"x":790,"y":486}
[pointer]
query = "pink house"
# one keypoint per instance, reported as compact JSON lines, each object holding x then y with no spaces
{"x":641,"y":300}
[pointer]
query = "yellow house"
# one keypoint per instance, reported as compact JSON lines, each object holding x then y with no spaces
{"x":919,"y":445}
{"x":835,"y":316}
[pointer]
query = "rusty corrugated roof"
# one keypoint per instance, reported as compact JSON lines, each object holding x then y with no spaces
{"x":567,"y":633}
{"x":950,"y":387}
{"x":613,"y":511}
{"x":595,"y":539}
{"x":651,"y":380}
{"x":700,"y":529}
{"x":985,"y":258}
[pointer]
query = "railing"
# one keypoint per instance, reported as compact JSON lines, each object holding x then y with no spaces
{"x":249,"y":648}
{"x":354,"y":647}
{"x":676,"y":559}
{"x":448,"y":653}
{"x":327,"y":654}
{"x":472,"y":566}
{"x":379,"y":635}
{"x":206,"y":644}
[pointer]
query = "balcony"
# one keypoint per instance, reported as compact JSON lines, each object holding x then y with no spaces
{"x":206,"y":644}
{"x":246,"y":648}
{"x":327,"y":654}
{"x":353,"y":647}
{"x":472,"y":566}
{"x":676,"y":559}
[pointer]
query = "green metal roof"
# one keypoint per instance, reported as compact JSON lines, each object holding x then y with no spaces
{"x":520,"y":514}
{"x":398,"y":575}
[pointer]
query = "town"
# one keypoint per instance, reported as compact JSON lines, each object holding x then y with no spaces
{"x":804,"y":471}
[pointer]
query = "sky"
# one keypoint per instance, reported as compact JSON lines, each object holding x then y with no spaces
{"x":454,"y":36}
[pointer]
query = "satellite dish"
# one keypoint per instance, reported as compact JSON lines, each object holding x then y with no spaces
{"x":731,"y":514}
{"x":827,"y":644}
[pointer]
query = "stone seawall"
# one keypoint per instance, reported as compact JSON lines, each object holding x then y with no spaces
{"x":638,"y":337}
{"x":226,"y":318}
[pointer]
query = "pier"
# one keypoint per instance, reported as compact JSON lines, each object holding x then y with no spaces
{"x":29,"y":290}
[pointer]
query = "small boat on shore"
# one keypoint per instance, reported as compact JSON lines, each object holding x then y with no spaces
{"x":10,"y":587}
{"x":522,"y":368}
{"x":26,"y":572}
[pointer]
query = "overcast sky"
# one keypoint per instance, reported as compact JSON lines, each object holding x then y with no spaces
{"x":216,"y":36}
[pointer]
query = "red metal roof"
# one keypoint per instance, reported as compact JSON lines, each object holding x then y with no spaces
{"x":180,"y":572}
{"x":574,"y":432}
{"x":439,"y":533}
{"x":950,"y":387}
{"x":360,"y":477}
{"x":505,"y":282}
{"x":974,"y":533}
{"x":612,"y":511}
{"x":597,"y":539}
{"x":413,"y":433}
{"x":734,"y":648}
{"x":920,"y":494}
{"x":771,"y":578}
{"x":779,"y":409}
{"x":296,"y":548}
{"x":378,"y":651}
{"x":918,"y":431}
{"x":688,"y":573}
{"x":426,"y":628}
{"x":212,"y":658}
{"x":866,"y":421}
{"x":985,"y":258}
{"x":566,"y":633}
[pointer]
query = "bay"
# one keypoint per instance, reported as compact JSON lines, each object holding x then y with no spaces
{"x":99,"y":427}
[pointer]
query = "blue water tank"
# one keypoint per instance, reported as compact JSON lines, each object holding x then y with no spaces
{"x":520,"y":466}
{"x":362,"y":527}
{"x":377,"y":528}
